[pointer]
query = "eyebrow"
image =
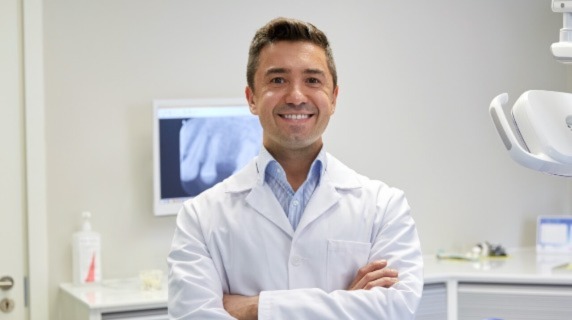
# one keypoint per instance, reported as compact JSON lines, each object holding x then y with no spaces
{"x":276,"y":71}
{"x":315,"y":71}
{"x":272,"y":71}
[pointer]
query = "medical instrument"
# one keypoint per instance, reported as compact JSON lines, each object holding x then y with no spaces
{"x":542,"y":137}
{"x":480,"y":251}
{"x":539,"y":136}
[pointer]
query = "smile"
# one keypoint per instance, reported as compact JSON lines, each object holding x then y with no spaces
{"x":296,"y":116}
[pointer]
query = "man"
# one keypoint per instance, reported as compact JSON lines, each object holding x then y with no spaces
{"x":295,"y":234}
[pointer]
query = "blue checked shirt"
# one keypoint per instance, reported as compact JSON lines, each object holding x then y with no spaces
{"x":292,"y":202}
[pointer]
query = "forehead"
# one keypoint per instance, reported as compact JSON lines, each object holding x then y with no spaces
{"x":292,"y":55}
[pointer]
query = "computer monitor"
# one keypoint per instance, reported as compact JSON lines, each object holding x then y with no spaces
{"x":197,"y":143}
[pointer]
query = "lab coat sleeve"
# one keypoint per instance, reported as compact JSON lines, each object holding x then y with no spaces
{"x":394,"y":239}
{"x":195,"y":289}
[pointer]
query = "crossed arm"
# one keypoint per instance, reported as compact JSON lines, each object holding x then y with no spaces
{"x":373,"y":290}
{"x":374,"y":274}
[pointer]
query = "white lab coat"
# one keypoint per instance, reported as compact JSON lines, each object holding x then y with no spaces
{"x":235,"y":238}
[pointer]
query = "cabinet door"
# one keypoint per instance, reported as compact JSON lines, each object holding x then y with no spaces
{"x":433,"y":305}
{"x":514,"y":301}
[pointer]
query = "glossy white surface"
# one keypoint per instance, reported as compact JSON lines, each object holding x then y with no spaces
{"x":117,"y":294}
{"x":521,"y":266}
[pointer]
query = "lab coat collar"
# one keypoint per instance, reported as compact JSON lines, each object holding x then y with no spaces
{"x":336,"y":177}
{"x":335,"y":173}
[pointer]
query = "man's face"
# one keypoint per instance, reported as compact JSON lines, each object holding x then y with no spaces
{"x":293,"y":95}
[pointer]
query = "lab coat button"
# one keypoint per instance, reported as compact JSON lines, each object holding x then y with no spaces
{"x":296,"y":261}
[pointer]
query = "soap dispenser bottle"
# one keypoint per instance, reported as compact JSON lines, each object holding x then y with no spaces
{"x":86,"y":253}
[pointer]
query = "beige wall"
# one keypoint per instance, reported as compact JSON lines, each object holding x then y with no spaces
{"x":416,"y":80}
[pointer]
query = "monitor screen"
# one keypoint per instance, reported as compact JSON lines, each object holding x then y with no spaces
{"x":197,"y":144}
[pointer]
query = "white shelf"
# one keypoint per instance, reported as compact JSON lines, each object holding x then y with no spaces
{"x":112,"y":299}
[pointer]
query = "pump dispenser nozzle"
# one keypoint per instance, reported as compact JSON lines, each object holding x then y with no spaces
{"x":86,"y":226}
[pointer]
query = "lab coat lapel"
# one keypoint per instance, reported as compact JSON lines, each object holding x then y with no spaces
{"x":324,"y":197}
{"x":336,"y":177}
{"x":259,"y":197}
{"x":264,"y":202}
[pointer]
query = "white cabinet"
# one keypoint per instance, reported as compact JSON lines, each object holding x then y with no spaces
{"x":433,"y":305}
{"x":112,"y":300}
{"x":522,"y":286}
{"x":514,"y":301}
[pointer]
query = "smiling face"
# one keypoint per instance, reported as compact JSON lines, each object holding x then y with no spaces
{"x":293,"y":96}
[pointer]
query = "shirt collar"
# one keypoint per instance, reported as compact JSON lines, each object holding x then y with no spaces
{"x":266,"y":161}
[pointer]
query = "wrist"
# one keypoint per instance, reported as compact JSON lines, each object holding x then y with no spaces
{"x":253,"y":309}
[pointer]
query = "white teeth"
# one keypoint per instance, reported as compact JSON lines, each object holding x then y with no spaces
{"x":296,"y":116}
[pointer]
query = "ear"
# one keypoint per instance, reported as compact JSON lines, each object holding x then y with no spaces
{"x":334,"y":100}
{"x":250,"y":99}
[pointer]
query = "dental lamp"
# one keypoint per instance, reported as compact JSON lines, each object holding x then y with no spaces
{"x":539,"y":136}
{"x":542,"y":138}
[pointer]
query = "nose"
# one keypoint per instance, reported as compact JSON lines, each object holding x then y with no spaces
{"x":296,"y":95}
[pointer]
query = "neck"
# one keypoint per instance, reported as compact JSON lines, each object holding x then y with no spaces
{"x":296,"y":163}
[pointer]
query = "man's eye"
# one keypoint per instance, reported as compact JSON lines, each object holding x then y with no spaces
{"x":277,"y":80}
{"x":313,"y":81}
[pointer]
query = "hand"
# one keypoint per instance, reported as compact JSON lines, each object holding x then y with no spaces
{"x":241,"y":307}
{"x":374,"y":274}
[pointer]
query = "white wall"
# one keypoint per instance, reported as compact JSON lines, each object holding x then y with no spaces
{"x":416,"y":80}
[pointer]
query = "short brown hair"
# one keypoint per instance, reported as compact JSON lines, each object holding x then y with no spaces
{"x":284,"y":29}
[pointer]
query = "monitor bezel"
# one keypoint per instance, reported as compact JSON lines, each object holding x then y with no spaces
{"x":160,"y":208}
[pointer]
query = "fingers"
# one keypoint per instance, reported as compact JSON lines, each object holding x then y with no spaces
{"x":385,"y":282}
{"x":372,"y":266}
{"x":378,"y":278}
{"x":374,"y":274}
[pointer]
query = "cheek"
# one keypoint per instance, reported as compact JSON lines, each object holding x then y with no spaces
{"x":328,"y":101}
{"x":267,"y":101}
{"x":270,"y":96}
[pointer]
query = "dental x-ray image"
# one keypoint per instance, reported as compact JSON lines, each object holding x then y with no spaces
{"x":213,"y":148}
{"x":199,"y":151}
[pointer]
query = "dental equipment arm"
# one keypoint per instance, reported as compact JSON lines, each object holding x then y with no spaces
{"x":562,"y":50}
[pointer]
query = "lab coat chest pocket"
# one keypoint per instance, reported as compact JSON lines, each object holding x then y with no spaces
{"x":344,"y":260}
